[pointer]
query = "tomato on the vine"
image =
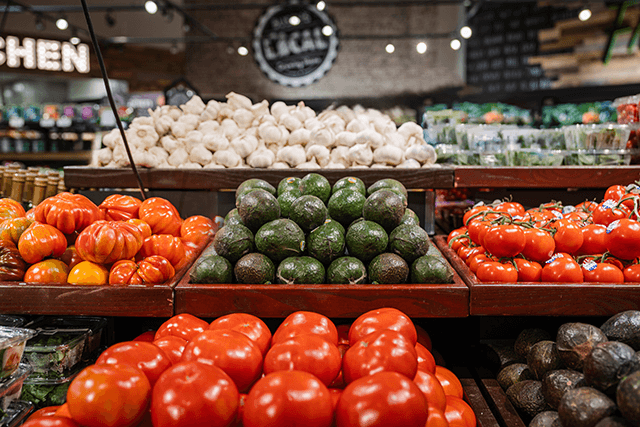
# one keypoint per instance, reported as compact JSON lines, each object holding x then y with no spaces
{"x":623,"y":239}
{"x":52,"y":421}
{"x":593,"y":239}
{"x":474,"y":212}
{"x":494,"y":271}
{"x":477,"y":230}
{"x":511,"y":208}
{"x":562,"y":268}
{"x":145,"y":356}
{"x":465,"y":253}
{"x":380,"y":319}
{"x":568,"y":236}
{"x":607,"y":212}
{"x":593,"y":271}
{"x":528,"y":271}
{"x":505,"y":240}
{"x":476,"y":261}
{"x":539,"y":246}
{"x":632,"y":273}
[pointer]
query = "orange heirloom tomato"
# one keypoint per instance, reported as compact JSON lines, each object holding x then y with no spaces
{"x":164,"y":245}
{"x":67,"y":212}
{"x":47,"y":271}
{"x":105,"y":242}
{"x":198,"y":229}
{"x":40,"y":241}
{"x":12,"y":266}
{"x":145,"y":229}
{"x":120,"y":207}
{"x":161,"y":215}
{"x":9,"y":208}
{"x":12,"y":228}
{"x":152,"y":269}
{"x":88,"y":273}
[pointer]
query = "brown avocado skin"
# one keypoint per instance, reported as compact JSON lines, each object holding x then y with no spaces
{"x":628,"y":397}
{"x":387,"y":269}
{"x":542,"y":358}
{"x":575,"y":341}
{"x":254,"y":269}
{"x":527,"y":397}
{"x":556,"y":383}
{"x":624,"y":327}
{"x":584,"y":407}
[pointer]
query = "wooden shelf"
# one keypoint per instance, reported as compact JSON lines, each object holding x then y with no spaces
{"x":59,"y":156}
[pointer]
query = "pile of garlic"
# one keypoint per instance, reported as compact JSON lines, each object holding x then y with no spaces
{"x":238,"y":133}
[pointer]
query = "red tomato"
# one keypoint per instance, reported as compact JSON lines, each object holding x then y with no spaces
{"x":384,"y":399}
{"x":335,"y":397}
{"x":67,"y":212}
{"x":632,"y":273}
{"x":161,"y":215}
{"x":288,"y":398}
{"x":539,"y":245}
{"x":198,"y":229}
{"x":437,"y":419}
{"x":601,"y":272}
{"x":459,"y":241}
{"x":506,"y":240}
{"x":623,"y":239}
{"x":164,"y":245}
{"x":306,"y":322}
{"x":562,"y":268}
{"x":343,"y":333}
{"x":568,"y":236}
{"x":52,"y":421}
{"x":528,"y":271}
{"x":384,"y":350}
{"x":433,"y":391}
{"x":123,"y":389}
{"x":465,"y":253}
{"x":511,"y":208}
{"x":383,"y":318}
{"x":172,"y":346}
{"x":493,"y":271}
{"x":606,"y":212}
{"x":194,"y":394}
{"x":449,"y":381}
{"x":144,"y":228}
{"x":593,"y":240}
{"x":586,"y":206}
{"x":143,"y":355}
{"x":474,"y":212}
{"x":426,"y":362}
{"x":476,"y":261}
{"x":12,"y":228}
{"x":423,"y":337}
{"x":459,"y":410}
{"x":477,"y":230}
{"x":229,"y":350}
{"x":615,"y":193}
{"x":47,"y":271}
{"x":40,"y":241}
{"x":120,"y":207}
{"x":47,"y":411}
{"x":185,"y":326}
{"x":63,"y":411}
{"x":455,"y":233}
{"x":248,"y":324}
{"x":9,"y":208}
{"x":105,"y":242}
{"x":149,"y":270}
{"x":308,"y":353}
{"x":240,"y":412}
{"x":147,"y":336}
{"x":71,"y":257}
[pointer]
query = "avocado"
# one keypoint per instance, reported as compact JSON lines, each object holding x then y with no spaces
{"x":316,"y":185}
{"x":387,"y":184}
{"x":254,"y":269}
{"x":309,"y":212}
{"x":557,"y":382}
{"x":300,"y":270}
{"x":351,"y":183}
{"x":252,"y":184}
{"x":233,"y":242}
{"x":607,"y":363}
{"x":628,"y":397}
{"x":384,"y":207}
{"x":410,"y":217}
{"x":285,"y":200}
{"x":289,"y":184}
{"x":546,"y":419}
{"x":624,"y":327}
{"x":387,"y":269}
{"x":527,"y":397}
{"x":527,"y":338}
{"x":211,"y":269}
{"x":280,"y":239}
{"x":233,"y":217}
{"x":430,"y":269}
{"x":575,"y":341}
{"x":584,"y":407}
{"x":326,"y":242}
{"x":365,"y":240}
{"x":409,"y":241}
{"x":614,"y":421}
{"x":258,"y":207}
{"x":542,"y":358}
{"x":511,"y":374}
{"x":345,"y":206}
{"x":347,"y":270}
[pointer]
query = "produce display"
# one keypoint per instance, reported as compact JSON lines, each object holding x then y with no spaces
{"x":12,"y":343}
{"x":308,"y":232}
{"x":11,"y":386}
{"x":238,"y":133}
{"x":376,"y":371}
{"x":589,"y":242}
{"x":583,"y":376}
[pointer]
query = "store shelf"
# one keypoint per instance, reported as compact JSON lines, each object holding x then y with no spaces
{"x":475,"y":399}
{"x":220,"y":179}
{"x":542,"y":299}
{"x":59,"y":156}
{"x":503,"y":409}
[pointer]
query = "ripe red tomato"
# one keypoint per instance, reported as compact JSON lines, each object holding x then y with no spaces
{"x":615,"y":193}
{"x":586,"y":206}
{"x":251,"y":326}
{"x":474,"y":212}
{"x":306,"y":322}
{"x":593,"y":271}
{"x":593,"y":240}
{"x":149,"y":270}
{"x":455,"y":233}
{"x":423,"y":337}
{"x":437,"y":419}
{"x":511,"y":208}
{"x":539,"y":245}
{"x":172,"y":346}
{"x":361,"y":403}
{"x":185,"y":326}
{"x":528,"y":271}
{"x":40,"y":241}
{"x":145,"y":356}
{"x":459,"y":410}
{"x":623,"y":239}
{"x":145,"y":229}
{"x":147,"y":336}
{"x":47,"y":411}
{"x":198,"y":229}
{"x":52,"y":421}
{"x":308,"y":353}
{"x":288,"y":398}
{"x":506,"y":240}
{"x":105,"y":242}
{"x":47,"y":271}
{"x":607,"y":212}
{"x":449,"y":381}
{"x":380,"y":319}
{"x":240,"y":413}
{"x":161,"y":215}
{"x":476,"y":261}
{"x":568,"y":236}
{"x":120,"y":207}
{"x":67,"y":212}
{"x":194,"y":394}
{"x":165,"y":245}
{"x":632,"y":273}
{"x":465,"y":253}
{"x":12,"y":228}
{"x":477,"y":230}
{"x":63,"y":411}
{"x":493,"y":271}
{"x":433,"y":391}
{"x":426,"y":362}
{"x":562,"y":268}
{"x":229,"y":350}
{"x":343,"y":333}
{"x":384,"y":350}
{"x":123,"y":389}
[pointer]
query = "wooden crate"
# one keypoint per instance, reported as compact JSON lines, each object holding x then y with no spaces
{"x":499,"y":403}
{"x":540,"y":298}
{"x":474,"y":397}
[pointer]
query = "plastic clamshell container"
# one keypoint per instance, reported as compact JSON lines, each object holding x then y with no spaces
{"x":16,"y":414}
{"x":12,"y":321}
{"x":627,"y":109}
{"x":42,"y":390}
{"x":12,"y":346}
{"x":95,"y":325}
{"x":55,"y":349}
{"x":11,"y":387}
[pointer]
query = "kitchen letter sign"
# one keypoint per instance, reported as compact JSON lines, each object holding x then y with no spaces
{"x":294,"y":43}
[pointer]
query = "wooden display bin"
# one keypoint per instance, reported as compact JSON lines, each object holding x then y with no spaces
{"x":540,"y":298}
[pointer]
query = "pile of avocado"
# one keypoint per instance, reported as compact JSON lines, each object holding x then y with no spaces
{"x":308,"y":232}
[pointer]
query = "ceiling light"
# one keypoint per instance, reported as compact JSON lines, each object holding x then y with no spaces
{"x":75,"y":40}
{"x":151,"y":7}
{"x":321,"y":5}
{"x":584,"y":14}
{"x":466,"y":32}
{"x":455,"y":44}
{"x":62,"y":24}
{"x":327,"y":30}
{"x":294,"y":20}
{"x":243,"y":51}
{"x":390,"y":48}
{"x":421,"y":47}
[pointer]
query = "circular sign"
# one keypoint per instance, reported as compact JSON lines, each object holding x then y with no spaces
{"x":294,"y":43}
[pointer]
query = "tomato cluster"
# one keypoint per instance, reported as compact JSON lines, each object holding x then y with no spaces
{"x":590,"y":242}
{"x":69,"y":239}
{"x":234,"y":372}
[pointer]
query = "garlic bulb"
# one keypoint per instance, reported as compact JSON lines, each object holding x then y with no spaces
{"x":422,"y":153}
{"x":163,"y":125}
{"x":290,"y":122}
{"x":142,"y":136}
{"x":309,"y":165}
{"x":103,"y":156}
{"x":230,"y":129}
{"x":332,"y":165}
{"x":299,"y":137}
{"x":244,"y":145}
{"x":160,"y":153}
{"x":112,"y":138}
{"x":237,"y":101}
{"x":322,"y":137}
{"x":388,"y":154}
{"x":369,"y":137}
{"x":190,"y":165}
{"x":192,"y":139}
{"x":360,"y":154}
{"x":215,"y":141}
{"x":228,"y":158}
{"x":269,"y":133}
{"x":200,"y":154}
{"x":320,"y":153}
{"x":356,"y":126}
{"x":341,"y":155}
{"x":346,"y":139}
{"x":279,"y":108}
{"x":261,"y":158}
{"x":260,"y":109}
{"x":213,"y":165}
{"x":208,"y":126}
{"x":178,"y":157}
{"x":170,"y":144}
{"x":194,"y":106}
{"x":409,"y":164}
{"x":243,"y":117}
{"x":411,"y":129}
{"x":293,"y":155}
{"x":280,"y":165}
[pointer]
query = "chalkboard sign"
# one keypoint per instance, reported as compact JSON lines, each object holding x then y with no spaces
{"x":505,"y":36}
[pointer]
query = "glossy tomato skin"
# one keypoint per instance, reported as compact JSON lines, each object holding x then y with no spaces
{"x":288,"y":398}
{"x":248,"y":324}
{"x":465,"y":253}
{"x":384,"y":350}
{"x":50,"y":421}
{"x":306,"y":322}
{"x":474,"y":212}
{"x":433,"y":391}
{"x":493,"y":271}
{"x":145,"y":229}
{"x":106,"y":242}
{"x":153,"y":269}
{"x":229,"y":350}
{"x":185,"y":326}
{"x":67,"y":212}
{"x":593,"y":239}
{"x":605,"y":213}
{"x":198,"y":229}
{"x":386,"y":399}
{"x":308,"y":353}
{"x":161,"y":215}
{"x":426,"y":361}
{"x":511,"y":208}
{"x":9,"y":208}
{"x":632,"y":273}
{"x":123,"y":389}
{"x":172,"y":346}
{"x":120,"y":207}
{"x":194,"y":394}
{"x":147,"y":336}
{"x":562,"y":268}
{"x":623,"y":239}
{"x":539,"y":246}
{"x":437,"y":419}
{"x":164,"y":245}
{"x":148,"y":358}
{"x":40,"y":241}
{"x":47,"y":411}
{"x":12,"y":228}
{"x":476,"y":261}
{"x":383,"y":318}
{"x":71,"y":257}
{"x":459,"y":410}
{"x":528,"y":271}
{"x":47,"y":271}
{"x":601,"y":272}
{"x":568,"y":236}
{"x":449,"y":381}
{"x":506,"y":240}
{"x":477,"y":230}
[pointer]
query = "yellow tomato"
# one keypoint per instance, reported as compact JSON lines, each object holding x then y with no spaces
{"x":88,"y":273}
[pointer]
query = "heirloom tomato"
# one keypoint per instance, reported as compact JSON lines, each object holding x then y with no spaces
{"x":106,"y":242}
{"x":528,"y":271}
{"x":433,"y":391}
{"x":185,"y":326}
{"x":9,"y":208}
{"x":494,"y":271}
{"x":306,"y":322}
{"x":562,"y":268}
{"x":194,"y":394}
{"x":539,"y":245}
{"x":109,"y":395}
{"x":47,"y":271}
{"x":593,"y":271}
{"x":384,"y":350}
{"x":172,"y":346}
{"x":120,"y":207}
{"x":88,"y":273}
{"x":50,"y":421}
{"x":67,"y":212}
{"x":145,"y":229}
{"x":361,"y":402}
{"x":40,"y":241}
{"x":229,"y":350}
{"x":165,"y":245}
{"x":247,"y":324}
{"x":288,"y":398}
{"x":150,"y":270}
{"x":12,"y":228}
{"x":161,"y":215}
{"x":623,"y":239}
{"x":71,"y":257}
{"x":198,"y":229}
{"x":593,"y":239}
{"x":506,"y":240}
{"x":568,"y":236}
{"x":380,"y":319}
{"x":12,"y":266}
{"x":426,"y":362}
{"x":145,"y":356}
{"x":459,"y":410}
{"x":449,"y":381}
{"x":308,"y":353}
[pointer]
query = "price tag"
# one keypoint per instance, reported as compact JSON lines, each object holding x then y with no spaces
{"x":568,"y":209}
{"x":589,"y":265}
{"x":609,"y":204}
{"x":63,"y":122}
{"x":16,"y":122}
{"x":613,"y":226}
{"x":553,"y":258}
